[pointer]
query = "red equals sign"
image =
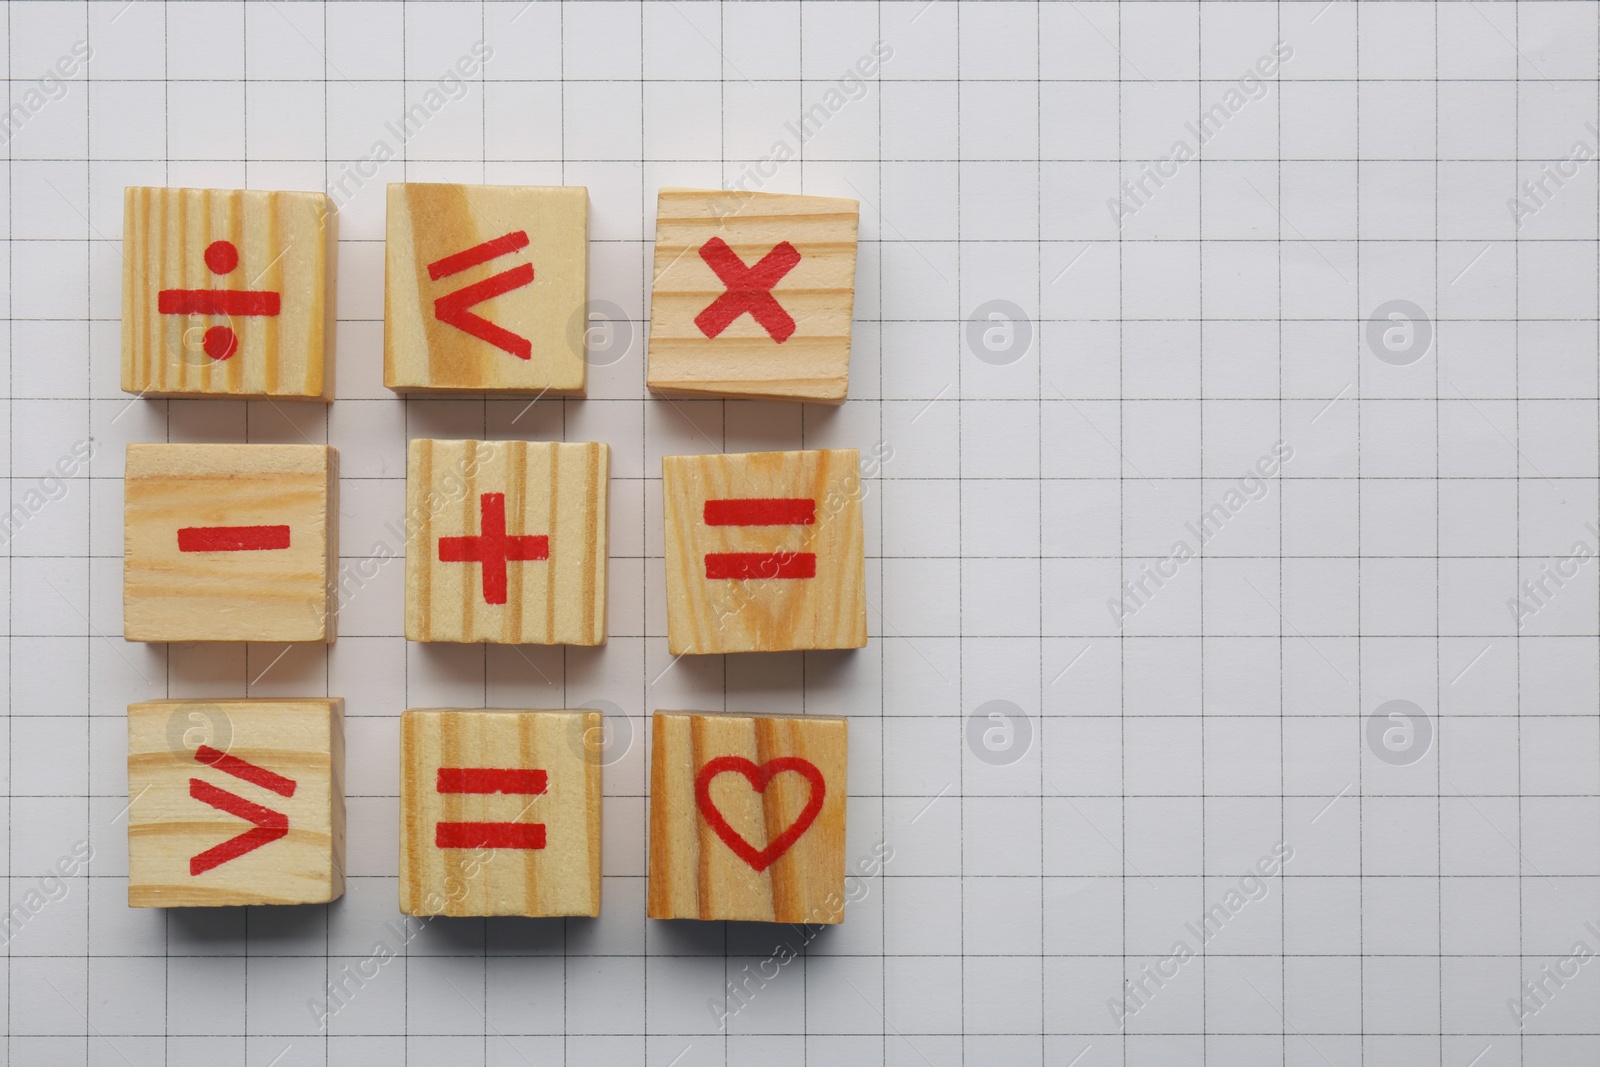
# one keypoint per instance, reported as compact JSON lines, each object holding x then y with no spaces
{"x":761,"y":511}
{"x":482,"y":780}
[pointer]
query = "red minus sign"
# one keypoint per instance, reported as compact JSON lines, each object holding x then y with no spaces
{"x":232,"y":538}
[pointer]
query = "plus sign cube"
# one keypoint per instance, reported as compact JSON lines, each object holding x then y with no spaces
{"x":753,"y":295}
{"x":506,"y":542}
{"x":764,"y":551}
{"x":227,"y":292}
{"x":486,"y":288}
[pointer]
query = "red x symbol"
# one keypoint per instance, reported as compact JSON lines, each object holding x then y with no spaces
{"x":493,"y":548}
{"x":749,"y":289}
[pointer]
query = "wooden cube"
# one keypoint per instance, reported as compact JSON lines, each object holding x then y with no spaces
{"x":229,"y":543}
{"x":486,"y":288}
{"x":506,"y":542}
{"x":500,"y":812}
{"x":753,"y":295}
{"x":227,"y":292}
{"x":747,"y":817}
{"x":764,"y":551}
{"x":235,"y":802}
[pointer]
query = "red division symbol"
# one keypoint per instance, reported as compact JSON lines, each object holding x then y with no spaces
{"x":492,"y":548}
{"x":232,"y":538}
{"x":269,"y":825}
{"x":220,"y":341}
{"x":748,"y":289}
{"x":482,"y":780}
{"x":454,"y":309}
{"x":759,"y":777}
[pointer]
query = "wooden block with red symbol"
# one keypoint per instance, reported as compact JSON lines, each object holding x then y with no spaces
{"x":227,"y":292}
{"x":235,"y":802}
{"x":747,"y":817}
{"x":500,"y":812}
{"x":764,"y":551}
{"x":753,"y":295}
{"x":229,"y":543}
{"x":506,"y":542}
{"x":486,"y":288}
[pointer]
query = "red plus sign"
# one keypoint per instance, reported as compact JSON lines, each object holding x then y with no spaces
{"x":493,"y":548}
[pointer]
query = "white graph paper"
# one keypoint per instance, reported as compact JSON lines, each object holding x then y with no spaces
{"x":1117,"y":260}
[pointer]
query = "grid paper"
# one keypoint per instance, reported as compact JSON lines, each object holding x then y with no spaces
{"x":1352,"y":267}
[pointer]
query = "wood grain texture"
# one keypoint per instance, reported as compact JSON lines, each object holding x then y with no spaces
{"x":285,"y":594}
{"x":560,"y":878}
{"x":744,"y":359}
{"x":711,"y":615}
{"x":427,"y":224}
{"x":694,"y":874}
{"x":550,"y":489}
{"x":300,"y":740}
{"x":286,"y":244}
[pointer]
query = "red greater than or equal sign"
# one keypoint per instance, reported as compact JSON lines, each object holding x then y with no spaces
{"x":760,"y":511}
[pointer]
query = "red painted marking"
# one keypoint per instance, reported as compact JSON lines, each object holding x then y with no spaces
{"x":220,"y":342}
{"x":746,"y":565}
{"x":491,"y":780}
{"x":453,"y":309}
{"x":222,"y":256}
{"x":759,"y":777}
{"x":748,"y":289}
{"x":481,"y":253}
{"x":232,"y":538}
{"x":492,"y":548}
{"x":245,"y":770}
{"x":489,"y":835}
{"x":270,"y":826}
{"x":753,"y":511}
{"x":217,"y":302}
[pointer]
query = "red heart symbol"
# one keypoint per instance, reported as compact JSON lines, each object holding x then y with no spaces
{"x":758,"y":777}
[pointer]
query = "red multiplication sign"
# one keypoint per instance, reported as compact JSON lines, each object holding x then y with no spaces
{"x":220,"y":342}
{"x":748,"y":289}
{"x":485,"y":780}
{"x":760,"y":511}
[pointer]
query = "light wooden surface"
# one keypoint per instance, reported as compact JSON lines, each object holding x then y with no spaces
{"x":183,"y":847}
{"x":549,"y":489}
{"x":754,"y":779}
{"x":285,"y":244}
{"x":744,"y":358}
{"x":429,"y":223}
{"x":497,"y":749}
{"x":263,"y":594}
{"x":765,"y":614}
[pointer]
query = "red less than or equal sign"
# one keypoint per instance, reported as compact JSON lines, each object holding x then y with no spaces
{"x":760,"y":511}
{"x":483,"y":780}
